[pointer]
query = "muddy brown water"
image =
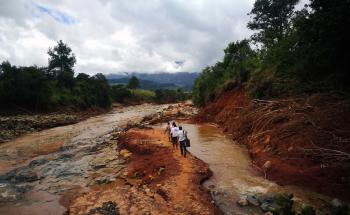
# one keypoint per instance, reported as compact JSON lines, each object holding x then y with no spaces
{"x":70,"y":152}
{"x":234,"y":175}
{"x":230,"y":163}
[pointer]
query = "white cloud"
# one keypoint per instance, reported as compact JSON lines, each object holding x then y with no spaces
{"x":117,"y":36}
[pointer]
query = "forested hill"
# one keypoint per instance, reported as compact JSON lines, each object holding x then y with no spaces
{"x":160,"y":80}
{"x":299,"y":51}
{"x":149,"y":85}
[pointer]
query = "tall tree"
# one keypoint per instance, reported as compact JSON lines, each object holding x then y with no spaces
{"x":324,"y":40}
{"x":61,"y":63}
{"x":271,"y":18}
{"x":133,"y":83}
{"x":238,"y":59}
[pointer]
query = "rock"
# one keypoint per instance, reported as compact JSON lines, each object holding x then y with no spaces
{"x":39,"y":162}
{"x":105,"y":180}
{"x":21,"y":174}
{"x":253,"y":200}
{"x":243,"y":202}
{"x":9,"y":192}
{"x":107,"y":208}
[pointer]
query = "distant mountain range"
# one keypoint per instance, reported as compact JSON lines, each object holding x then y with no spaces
{"x":154,"y":81}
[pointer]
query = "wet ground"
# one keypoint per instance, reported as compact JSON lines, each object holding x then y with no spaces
{"x":43,"y":172}
{"x":39,"y":168}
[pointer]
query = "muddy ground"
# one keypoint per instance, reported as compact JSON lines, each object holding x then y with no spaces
{"x":156,"y":180}
{"x":79,"y":168}
{"x":13,"y":125}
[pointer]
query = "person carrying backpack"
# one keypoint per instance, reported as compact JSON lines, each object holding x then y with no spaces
{"x":182,"y":135}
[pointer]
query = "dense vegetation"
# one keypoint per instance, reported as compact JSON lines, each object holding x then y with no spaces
{"x":49,"y":88}
{"x":42,"y":88}
{"x":292,"y":52}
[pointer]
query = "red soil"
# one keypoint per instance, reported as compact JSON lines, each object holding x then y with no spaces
{"x":282,"y":131}
{"x":157,"y":180}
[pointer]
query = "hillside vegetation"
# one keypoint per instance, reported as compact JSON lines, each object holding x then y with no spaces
{"x":284,"y":93}
{"x":56,"y":87}
{"x":292,"y":52}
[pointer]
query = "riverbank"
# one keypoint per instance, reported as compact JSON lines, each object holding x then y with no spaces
{"x":293,"y":141}
{"x":13,"y":125}
{"x":156,"y":180}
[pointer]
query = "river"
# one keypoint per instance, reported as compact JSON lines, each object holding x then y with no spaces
{"x":234,"y":175}
{"x":61,"y":160}
{"x":70,"y":155}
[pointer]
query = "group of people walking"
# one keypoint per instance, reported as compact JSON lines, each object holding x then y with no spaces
{"x":177,"y":135}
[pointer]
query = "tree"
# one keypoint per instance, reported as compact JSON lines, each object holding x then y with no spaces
{"x":272,"y":19}
{"x":323,"y":41}
{"x":101,"y":89}
{"x":120,"y":93}
{"x":133,"y":83}
{"x":238,"y":60}
{"x":61,"y":63}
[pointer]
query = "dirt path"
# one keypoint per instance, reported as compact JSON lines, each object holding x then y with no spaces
{"x":157,"y":180}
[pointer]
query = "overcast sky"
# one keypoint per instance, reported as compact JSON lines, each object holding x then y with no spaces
{"x":111,"y":36}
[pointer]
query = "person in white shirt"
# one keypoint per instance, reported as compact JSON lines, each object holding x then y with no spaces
{"x":174,"y":134}
{"x":182,"y":135}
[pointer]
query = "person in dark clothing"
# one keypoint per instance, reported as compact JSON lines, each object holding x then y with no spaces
{"x":167,"y":131}
{"x":182,"y":135}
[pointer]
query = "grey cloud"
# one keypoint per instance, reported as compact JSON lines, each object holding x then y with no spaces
{"x":117,"y":36}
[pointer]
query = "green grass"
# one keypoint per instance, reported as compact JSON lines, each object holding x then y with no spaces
{"x":145,"y":95}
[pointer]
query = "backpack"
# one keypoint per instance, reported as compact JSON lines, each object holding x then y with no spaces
{"x":187,"y":140}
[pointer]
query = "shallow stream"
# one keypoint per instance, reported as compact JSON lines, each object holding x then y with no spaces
{"x":234,"y":175}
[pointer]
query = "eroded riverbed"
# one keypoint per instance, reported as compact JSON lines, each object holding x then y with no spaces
{"x":41,"y":172}
{"x":39,"y":168}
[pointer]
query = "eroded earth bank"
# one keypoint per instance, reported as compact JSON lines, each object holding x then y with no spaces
{"x":123,"y":163}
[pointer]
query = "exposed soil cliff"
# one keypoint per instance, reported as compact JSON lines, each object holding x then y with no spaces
{"x":301,"y":141}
